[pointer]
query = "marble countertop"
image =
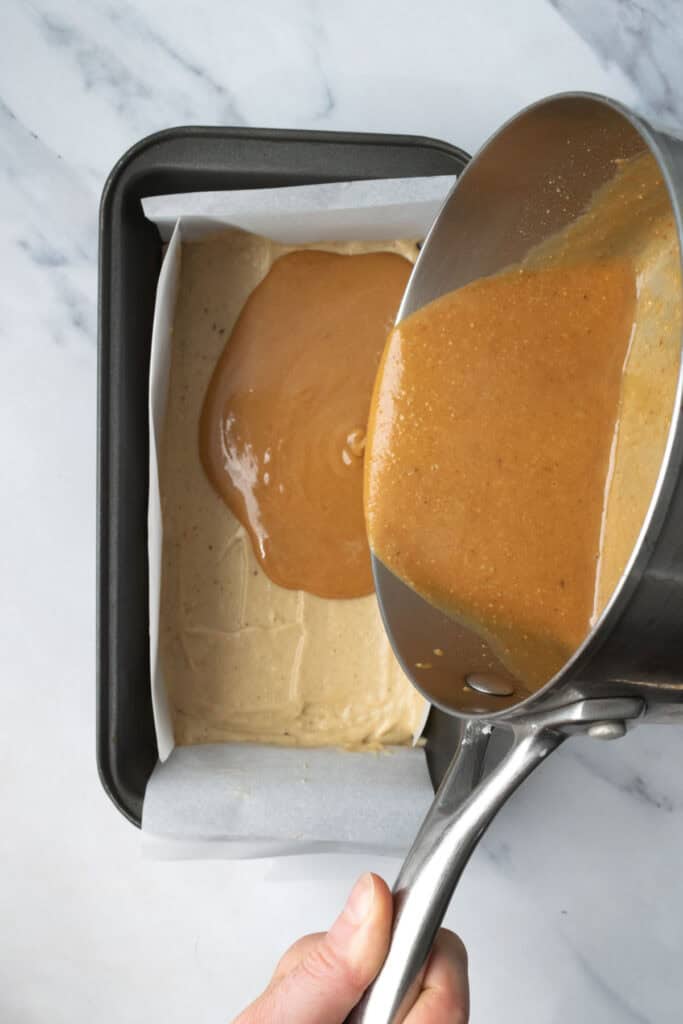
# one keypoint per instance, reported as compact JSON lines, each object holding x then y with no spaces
{"x":572,"y":907}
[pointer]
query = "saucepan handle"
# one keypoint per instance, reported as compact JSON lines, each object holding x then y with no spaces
{"x":449,"y":834}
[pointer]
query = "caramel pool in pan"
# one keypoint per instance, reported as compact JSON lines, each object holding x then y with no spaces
{"x":282,"y":430}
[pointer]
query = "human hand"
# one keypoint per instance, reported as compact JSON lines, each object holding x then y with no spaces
{"x":321,"y":977}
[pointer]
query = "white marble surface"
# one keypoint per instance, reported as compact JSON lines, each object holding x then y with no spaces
{"x":572,"y":908}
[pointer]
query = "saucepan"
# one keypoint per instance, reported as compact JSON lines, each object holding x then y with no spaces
{"x":529,"y":181}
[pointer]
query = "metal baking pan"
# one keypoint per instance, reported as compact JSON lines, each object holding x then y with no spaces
{"x":185,"y":160}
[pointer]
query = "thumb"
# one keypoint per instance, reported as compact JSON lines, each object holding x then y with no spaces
{"x":325,"y":985}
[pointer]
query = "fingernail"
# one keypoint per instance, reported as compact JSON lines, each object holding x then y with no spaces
{"x":359,"y":903}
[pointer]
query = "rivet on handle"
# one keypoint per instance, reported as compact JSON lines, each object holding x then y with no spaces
{"x":607,"y":730}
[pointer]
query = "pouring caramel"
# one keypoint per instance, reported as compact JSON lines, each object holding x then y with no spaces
{"x":490,"y":444}
{"x":518,"y":427}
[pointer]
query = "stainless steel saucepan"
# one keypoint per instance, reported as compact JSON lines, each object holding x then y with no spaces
{"x":630,"y":667}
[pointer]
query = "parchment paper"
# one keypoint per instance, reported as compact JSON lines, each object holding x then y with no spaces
{"x":258,"y":800}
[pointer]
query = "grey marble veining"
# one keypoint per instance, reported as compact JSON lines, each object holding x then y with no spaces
{"x":645,"y":39}
{"x":572,"y":907}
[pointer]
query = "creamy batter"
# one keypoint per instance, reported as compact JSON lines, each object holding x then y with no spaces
{"x":244,"y":659}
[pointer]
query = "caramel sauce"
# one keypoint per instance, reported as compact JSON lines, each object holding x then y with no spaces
{"x":489,"y":446}
{"x":282,"y":429}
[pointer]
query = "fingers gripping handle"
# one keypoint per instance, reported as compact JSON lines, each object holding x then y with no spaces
{"x":437,"y":858}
